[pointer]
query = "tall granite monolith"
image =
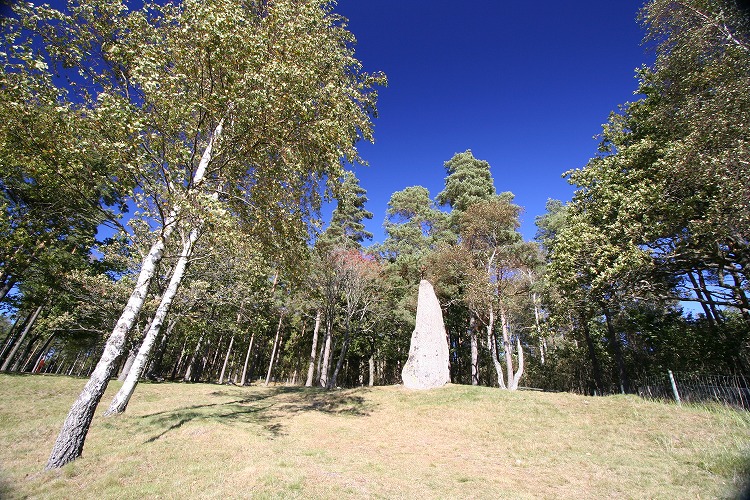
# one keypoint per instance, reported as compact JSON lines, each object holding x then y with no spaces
{"x":427,"y":366}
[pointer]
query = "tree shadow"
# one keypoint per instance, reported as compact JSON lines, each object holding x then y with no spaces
{"x":5,"y":489}
{"x":266,"y":409}
{"x":743,"y":490}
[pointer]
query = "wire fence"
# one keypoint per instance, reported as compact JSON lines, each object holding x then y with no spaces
{"x":730,"y":390}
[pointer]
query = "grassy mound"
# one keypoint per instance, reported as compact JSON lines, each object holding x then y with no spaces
{"x":208,"y":441}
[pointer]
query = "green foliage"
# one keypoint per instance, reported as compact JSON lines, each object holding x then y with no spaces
{"x":347,"y":227}
{"x":469,"y":180}
{"x":660,"y":214}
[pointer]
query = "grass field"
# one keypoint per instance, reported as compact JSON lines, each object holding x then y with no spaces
{"x":207,"y":441}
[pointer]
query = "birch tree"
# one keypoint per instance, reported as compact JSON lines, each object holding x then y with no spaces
{"x":244,"y":105}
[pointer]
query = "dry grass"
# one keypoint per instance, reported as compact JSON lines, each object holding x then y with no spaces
{"x":206,"y":441}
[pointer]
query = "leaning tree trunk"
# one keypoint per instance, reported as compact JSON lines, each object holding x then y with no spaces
{"x":26,"y":330}
{"x":342,"y":355}
{"x":133,"y":353}
{"x":193,"y":360}
{"x":226,"y":360}
{"x":127,"y":365}
{"x":243,"y":379}
{"x":39,"y":355}
{"x":6,"y":288}
{"x":311,"y":367}
{"x":8,"y":342}
{"x":69,"y":443}
{"x":121,"y":399}
{"x":274,"y":350}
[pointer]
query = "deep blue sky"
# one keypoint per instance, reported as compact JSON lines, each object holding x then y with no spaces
{"x":524,"y":85}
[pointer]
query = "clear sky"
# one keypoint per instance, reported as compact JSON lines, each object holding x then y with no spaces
{"x":525,"y":85}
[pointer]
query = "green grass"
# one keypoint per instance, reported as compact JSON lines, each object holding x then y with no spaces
{"x":206,"y":441}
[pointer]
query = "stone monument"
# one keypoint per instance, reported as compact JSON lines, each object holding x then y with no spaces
{"x":427,"y":366}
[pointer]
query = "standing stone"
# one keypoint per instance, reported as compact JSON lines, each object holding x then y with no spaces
{"x":427,"y":366}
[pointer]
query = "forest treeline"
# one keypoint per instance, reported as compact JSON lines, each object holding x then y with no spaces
{"x":205,"y":135}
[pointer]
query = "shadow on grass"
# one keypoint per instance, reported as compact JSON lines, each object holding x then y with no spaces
{"x":743,"y":472}
{"x":266,"y":409}
{"x":5,"y":490}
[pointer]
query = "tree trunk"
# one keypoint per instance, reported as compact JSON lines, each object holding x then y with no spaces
{"x":155,"y":366}
{"x":492,"y":346}
{"x":614,"y":343}
{"x":505,"y":327}
{"x":226,"y":361}
{"x":121,"y":399}
{"x":24,"y":359}
{"x":133,"y":353}
{"x":176,"y":367}
{"x":69,"y":443}
{"x":709,"y":298}
{"x":243,"y":379}
{"x":371,"y":366}
{"x":538,"y":325}
{"x":519,"y":372}
{"x":12,"y":333}
{"x":311,"y":368}
{"x":128,"y":364}
{"x":6,"y":288}
{"x":75,"y":362}
{"x":347,"y":338}
{"x":592,"y":355}
{"x":275,"y":349}
{"x":35,"y":368}
{"x":26,"y":330}
{"x":326,"y":354}
{"x":193,"y":359}
{"x":474,"y":351}
{"x":702,"y":300}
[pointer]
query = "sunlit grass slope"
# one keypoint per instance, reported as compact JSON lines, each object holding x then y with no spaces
{"x":206,"y":441}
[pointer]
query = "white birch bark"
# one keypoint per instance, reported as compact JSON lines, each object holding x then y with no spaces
{"x":538,"y":324}
{"x":371,"y":363}
{"x":132,"y":355}
{"x":274,"y":350}
{"x":121,"y":399}
{"x":313,"y":351}
{"x":243,"y":379}
{"x":519,"y":372}
{"x":325,"y":360}
{"x":226,"y":360}
{"x":492,"y":346}
{"x":507,"y":346}
{"x":69,"y":443}
{"x":75,"y":362}
{"x":193,"y":359}
{"x":474,"y":354}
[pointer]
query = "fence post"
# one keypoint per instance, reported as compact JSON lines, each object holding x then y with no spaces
{"x":674,"y":388}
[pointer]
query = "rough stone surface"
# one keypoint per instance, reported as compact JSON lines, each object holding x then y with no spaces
{"x":427,"y":366}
